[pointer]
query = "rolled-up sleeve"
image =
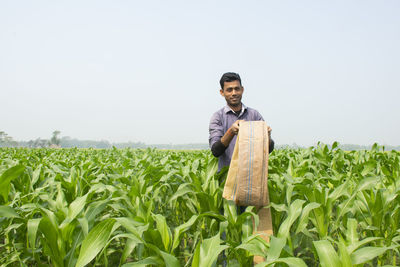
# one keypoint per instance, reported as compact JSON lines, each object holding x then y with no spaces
{"x":216,"y":130}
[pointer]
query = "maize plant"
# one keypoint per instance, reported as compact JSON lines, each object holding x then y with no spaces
{"x":127,"y":207}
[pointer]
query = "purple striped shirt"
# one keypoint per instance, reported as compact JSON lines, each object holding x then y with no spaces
{"x":221,"y":121}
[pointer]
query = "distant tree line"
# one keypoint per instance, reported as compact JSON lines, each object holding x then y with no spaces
{"x":347,"y":147}
{"x":361,"y":147}
{"x":53,"y":142}
{"x":67,"y":142}
{"x":6,"y":140}
{"x":73,"y":142}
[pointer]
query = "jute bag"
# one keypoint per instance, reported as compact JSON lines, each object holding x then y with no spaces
{"x":246,"y":183}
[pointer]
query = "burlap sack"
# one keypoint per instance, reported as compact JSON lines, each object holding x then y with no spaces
{"x":247,"y":179}
{"x":246,"y":183}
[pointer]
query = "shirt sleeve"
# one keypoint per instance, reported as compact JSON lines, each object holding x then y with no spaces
{"x":218,"y":149}
{"x":271,"y":145}
{"x":216,"y":130}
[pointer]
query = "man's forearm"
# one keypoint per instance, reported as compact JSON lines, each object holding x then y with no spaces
{"x":219,"y":147}
{"x":227,"y":138}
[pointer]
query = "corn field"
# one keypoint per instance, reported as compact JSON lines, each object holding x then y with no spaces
{"x":125,"y":207}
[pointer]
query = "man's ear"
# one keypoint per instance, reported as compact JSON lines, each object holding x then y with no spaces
{"x":221,"y":91}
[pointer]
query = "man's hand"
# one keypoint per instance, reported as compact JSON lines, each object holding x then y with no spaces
{"x":232,"y":131}
{"x":235,"y":127}
{"x":269,"y":132}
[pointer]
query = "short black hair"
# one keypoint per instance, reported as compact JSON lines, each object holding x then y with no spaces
{"x":229,"y":77}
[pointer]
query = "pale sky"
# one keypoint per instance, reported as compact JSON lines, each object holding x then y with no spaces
{"x":149,"y":70}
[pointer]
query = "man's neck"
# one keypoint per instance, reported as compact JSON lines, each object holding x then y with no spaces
{"x":236,"y":108}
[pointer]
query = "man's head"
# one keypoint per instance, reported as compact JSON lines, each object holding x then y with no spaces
{"x":232,"y":90}
{"x":229,"y":77}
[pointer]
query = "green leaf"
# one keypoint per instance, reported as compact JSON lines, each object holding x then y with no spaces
{"x":275,"y":248}
{"x":164,"y":230}
{"x":351,"y":232}
{"x":8,"y":212}
{"x":253,"y":248}
{"x":155,"y":261}
{"x":5,"y":179}
{"x":32,"y":228}
{"x":290,"y":261}
{"x":50,"y":216}
{"x":196,"y":256}
{"x":339,"y":191}
{"x":364,"y":184}
{"x":134,"y":227}
{"x":84,"y":225}
{"x":182,"y":190}
{"x":230,"y":211}
{"x":367,"y":183}
{"x":343,"y":254}
{"x":368,"y":167}
{"x":279,"y":207}
{"x":304,"y":216}
{"x":255,"y":245}
{"x":181,"y":229}
{"x":36,"y":174}
{"x":294,"y":212}
{"x":207,"y":252}
{"x":94,"y":209}
{"x":95,"y":241}
{"x":365,"y":254}
{"x":74,"y":209}
{"x":55,"y":250}
{"x":247,"y":227}
{"x":353,"y":246}
{"x":170,"y":260}
{"x":327,"y":254}
{"x":71,"y":259}
{"x":61,"y":203}
{"x":334,"y":145}
{"x":128,"y":248}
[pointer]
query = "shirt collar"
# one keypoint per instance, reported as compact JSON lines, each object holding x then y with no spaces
{"x":228,"y":108}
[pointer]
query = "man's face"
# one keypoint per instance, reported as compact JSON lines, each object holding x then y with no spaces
{"x":233,"y":93}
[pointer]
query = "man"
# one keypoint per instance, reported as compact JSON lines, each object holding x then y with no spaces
{"x":224,"y":124}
